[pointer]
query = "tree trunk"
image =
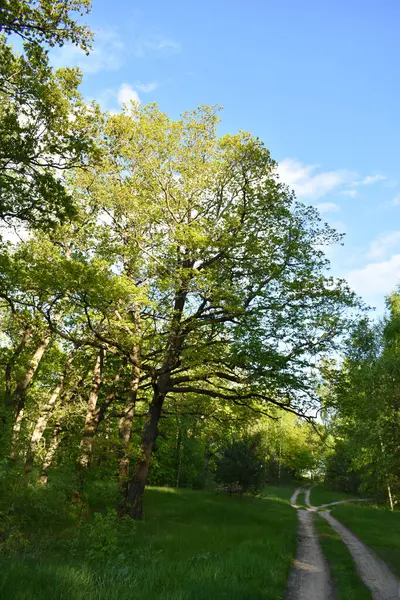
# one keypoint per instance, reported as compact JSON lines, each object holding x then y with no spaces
{"x":135,"y":490}
{"x":133,"y":504}
{"x":125,"y":423}
{"x":208,"y":455}
{"x":91,"y":414}
{"x":15,"y":435}
{"x":18,"y":397}
{"x":178,"y":454}
{"x":10,"y":365}
{"x":44,"y":416}
{"x":125,"y":433}
{"x":390,"y":498}
{"x":48,"y":459}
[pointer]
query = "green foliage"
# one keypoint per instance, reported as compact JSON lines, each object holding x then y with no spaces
{"x":365,"y":400}
{"x":45,"y":126}
{"x":101,"y":534}
{"x":242,"y":464}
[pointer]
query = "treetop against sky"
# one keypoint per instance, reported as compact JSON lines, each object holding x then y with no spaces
{"x":326,"y":110}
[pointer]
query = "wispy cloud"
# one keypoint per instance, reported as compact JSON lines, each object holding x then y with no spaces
{"x":108,"y":54}
{"x":156,"y":46}
{"x":146,"y":87}
{"x":307,"y":182}
{"x":376,"y":279}
{"x":383,"y":245}
{"x":326,"y":207}
{"x":369,"y":179}
{"x":350,"y":193}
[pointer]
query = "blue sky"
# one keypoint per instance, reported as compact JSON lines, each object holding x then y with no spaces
{"x":318,"y":82}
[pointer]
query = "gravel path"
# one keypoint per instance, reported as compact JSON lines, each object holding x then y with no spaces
{"x":310,"y":578}
{"x":372,"y":570}
{"x":293,"y":499}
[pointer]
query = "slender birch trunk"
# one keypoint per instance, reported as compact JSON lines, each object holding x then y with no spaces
{"x":19,"y":395}
{"x":44,"y":416}
{"x":91,"y":420}
{"x":48,"y":459}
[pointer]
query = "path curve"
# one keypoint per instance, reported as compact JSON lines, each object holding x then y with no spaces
{"x":293,"y":499}
{"x":309,"y":578}
{"x":372,"y":570}
{"x":341,"y":502}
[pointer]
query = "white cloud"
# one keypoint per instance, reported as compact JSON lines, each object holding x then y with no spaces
{"x":369,"y":179}
{"x":383,"y":245}
{"x":108,"y":54}
{"x":146,"y":87}
{"x":377,"y":279}
{"x":306,"y":183}
{"x":126,"y":94}
{"x":156,"y":46}
{"x":350,"y":193}
{"x":112,"y":100}
{"x":325,"y":207}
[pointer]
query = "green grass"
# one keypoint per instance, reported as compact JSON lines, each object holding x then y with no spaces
{"x":377,"y":527}
{"x":348,"y":585}
{"x":191,"y":545}
{"x":321,"y":495}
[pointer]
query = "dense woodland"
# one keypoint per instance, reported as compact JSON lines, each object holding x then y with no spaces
{"x":167,"y":313}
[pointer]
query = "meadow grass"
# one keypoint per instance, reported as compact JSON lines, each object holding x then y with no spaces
{"x":347,"y":584}
{"x":321,"y":495}
{"x":377,"y":527}
{"x":190,"y":545}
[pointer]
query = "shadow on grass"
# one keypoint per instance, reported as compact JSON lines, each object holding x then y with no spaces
{"x":191,"y":545}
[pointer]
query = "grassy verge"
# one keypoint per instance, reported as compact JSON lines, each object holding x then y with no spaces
{"x":377,"y":527}
{"x":321,"y":495}
{"x":348,"y":585}
{"x":191,"y":545}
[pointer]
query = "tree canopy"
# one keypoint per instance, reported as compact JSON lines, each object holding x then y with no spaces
{"x":45,"y":126}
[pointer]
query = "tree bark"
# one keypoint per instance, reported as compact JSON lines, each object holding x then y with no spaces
{"x":133,"y":505}
{"x":390,"y":498}
{"x":44,"y":416}
{"x":18,"y":397}
{"x":19,"y":394}
{"x":208,"y":455}
{"x":125,"y":423}
{"x":15,"y":435}
{"x":135,"y":490}
{"x":48,"y":459}
{"x":10,"y":365}
{"x":91,"y":414}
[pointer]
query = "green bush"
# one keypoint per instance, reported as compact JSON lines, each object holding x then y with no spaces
{"x":242,"y":465}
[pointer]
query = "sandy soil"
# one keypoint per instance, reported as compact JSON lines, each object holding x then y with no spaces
{"x":310,"y":578}
{"x":372,"y":570}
